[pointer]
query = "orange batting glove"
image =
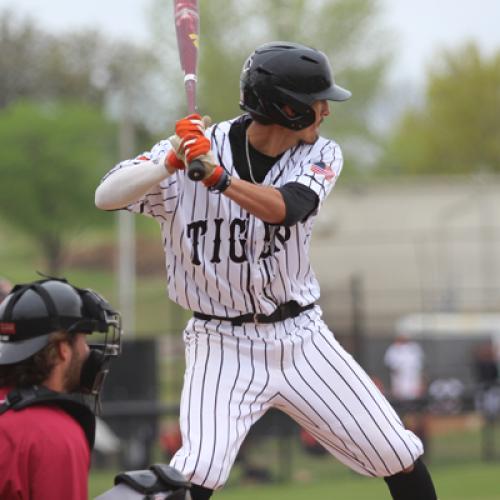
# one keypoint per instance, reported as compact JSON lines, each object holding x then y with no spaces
{"x":216,"y":178}
{"x":195,"y":146}
{"x":190,"y":125}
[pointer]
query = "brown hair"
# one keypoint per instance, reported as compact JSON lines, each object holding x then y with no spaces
{"x":37,"y":368}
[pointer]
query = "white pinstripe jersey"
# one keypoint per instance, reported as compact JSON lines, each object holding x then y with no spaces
{"x":220,"y":259}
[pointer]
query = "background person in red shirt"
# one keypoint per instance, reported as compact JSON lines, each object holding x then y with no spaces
{"x":46,"y":429}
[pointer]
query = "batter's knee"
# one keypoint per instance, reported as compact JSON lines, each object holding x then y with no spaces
{"x":397,"y":456}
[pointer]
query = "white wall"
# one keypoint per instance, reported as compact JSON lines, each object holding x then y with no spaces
{"x":423,"y":245}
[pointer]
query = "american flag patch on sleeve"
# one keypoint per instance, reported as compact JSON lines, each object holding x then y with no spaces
{"x":322,"y":168}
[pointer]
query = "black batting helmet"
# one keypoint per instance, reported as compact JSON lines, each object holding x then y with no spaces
{"x":284,"y":73}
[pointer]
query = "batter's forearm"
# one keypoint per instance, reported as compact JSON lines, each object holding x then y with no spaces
{"x":129,"y":184}
{"x":265,"y":202}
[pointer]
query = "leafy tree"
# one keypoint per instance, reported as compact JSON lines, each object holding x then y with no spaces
{"x":51,"y":158}
{"x":82,"y":66}
{"x":37,"y":65}
{"x":114,"y":77}
{"x":457,"y":131}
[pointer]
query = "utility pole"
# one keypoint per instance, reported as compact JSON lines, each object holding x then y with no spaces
{"x":126,"y":240}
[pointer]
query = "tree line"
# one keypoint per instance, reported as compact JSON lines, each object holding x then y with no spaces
{"x":62,"y":98}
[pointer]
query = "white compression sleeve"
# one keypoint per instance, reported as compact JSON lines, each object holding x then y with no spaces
{"x":128,"y":184}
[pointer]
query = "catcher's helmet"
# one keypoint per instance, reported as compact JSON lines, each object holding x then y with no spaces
{"x":31,"y":312}
{"x":280,"y":73}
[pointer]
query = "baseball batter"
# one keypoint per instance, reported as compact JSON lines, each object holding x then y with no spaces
{"x":236,"y":247}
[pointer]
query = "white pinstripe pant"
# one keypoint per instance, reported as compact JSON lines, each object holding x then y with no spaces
{"x":235,"y":374}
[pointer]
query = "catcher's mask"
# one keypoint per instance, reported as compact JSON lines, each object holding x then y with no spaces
{"x":31,"y":312}
{"x":285,"y":73}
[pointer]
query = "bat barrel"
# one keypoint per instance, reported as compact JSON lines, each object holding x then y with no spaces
{"x":187,"y":27}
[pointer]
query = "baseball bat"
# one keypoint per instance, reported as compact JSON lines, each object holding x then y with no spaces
{"x":187,"y":28}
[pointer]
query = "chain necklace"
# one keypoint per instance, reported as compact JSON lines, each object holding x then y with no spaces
{"x":273,"y":228}
{"x":249,"y":163}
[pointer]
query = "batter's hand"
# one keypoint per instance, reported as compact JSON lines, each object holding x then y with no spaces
{"x":216,"y":178}
{"x":175,"y":159}
{"x":192,"y":125}
{"x":195,"y":146}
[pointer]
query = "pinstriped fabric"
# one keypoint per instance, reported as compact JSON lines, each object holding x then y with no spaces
{"x":345,"y":387}
{"x":226,"y":376}
{"x":297,"y":366}
{"x":380,"y":412}
{"x":305,"y":398}
{"x":335,"y":445}
{"x":221,"y":260}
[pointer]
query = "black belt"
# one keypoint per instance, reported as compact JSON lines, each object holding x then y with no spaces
{"x":282,"y":312}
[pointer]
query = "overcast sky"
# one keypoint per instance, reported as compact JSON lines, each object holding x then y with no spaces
{"x":420,"y":27}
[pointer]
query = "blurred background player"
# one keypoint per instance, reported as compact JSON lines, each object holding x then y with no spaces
{"x":46,"y":429}
{"x":487,"y":378}
{"x":486,"y":365}
{"x":405,"y":360}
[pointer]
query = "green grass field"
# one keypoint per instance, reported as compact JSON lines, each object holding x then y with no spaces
{"x":471,"y":481}
{"x":312,"y":479}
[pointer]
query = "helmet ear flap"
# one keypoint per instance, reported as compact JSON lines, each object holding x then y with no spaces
{"x":274,"y":108}
{"x":250,"y":101}
{"x":250,"y":98}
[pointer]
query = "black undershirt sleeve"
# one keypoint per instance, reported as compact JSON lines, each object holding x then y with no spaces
{"x":300,"y":202}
